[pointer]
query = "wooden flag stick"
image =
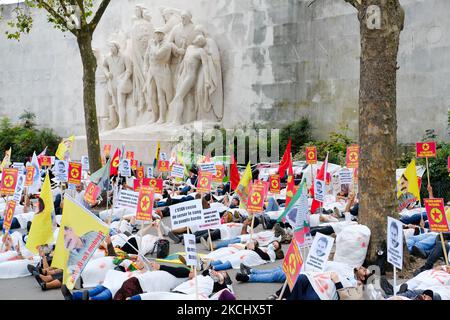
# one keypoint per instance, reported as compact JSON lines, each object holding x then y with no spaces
{"x":282,"y":290}
{"x":444,"y":249}
{"x":394,"y":287}
{"x":428,"y":171}
{"x":251,"y":228}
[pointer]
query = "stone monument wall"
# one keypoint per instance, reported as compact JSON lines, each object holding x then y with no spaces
{"x":281,"y":59}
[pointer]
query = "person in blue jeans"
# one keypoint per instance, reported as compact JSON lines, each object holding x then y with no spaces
{"x":415,"y":219}
{"x":421,"y":245}
{"x":225,"y":243}
{"x":248,"y":274}
{"x":98,"y":293}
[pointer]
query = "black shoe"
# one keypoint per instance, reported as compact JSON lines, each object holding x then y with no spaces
{"x":66,"y":293}
{"x":38,"y":279}
{"x":85,"y":295}
{"x":263,"y":222}
{"x":43,"y":286}
{"x":174,"y":237}
{"x":403,"y":288}
{"x":31,"y":268}
{"x":242,"y":277}
{"x":386,"y":286}
{"x":244,"y":269}
{"x":418,"y":252}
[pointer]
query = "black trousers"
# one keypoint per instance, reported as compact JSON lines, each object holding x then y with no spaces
{"x":177,"y":272}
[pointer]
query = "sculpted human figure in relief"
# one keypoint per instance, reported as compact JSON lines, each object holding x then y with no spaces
{"x":118,"y":70}
{"x":159,"y":87}
{"x":183,"y":106}
{"x":141,"y":32}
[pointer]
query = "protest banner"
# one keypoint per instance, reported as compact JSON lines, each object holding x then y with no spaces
{"x":318,"y":255}
{"x":107,"y":150}
{"x":163,"y":166}
{"x":311,"y":155}
{"x":436,"y":215}
{"x":134,"y":164}
{"x":395,"y":243}
{"x":29,"y":177}
{"x":85,"y":163}
{"x":125,"y":168}
{"x":82,"y":226}
{"x":319,"y":190}
{"x":45,"y":161}
{"x":256,"y":196}
{"x":274,"y":183}
{"x":345,"y":176}
{"x":19,"y":166}
{"x":191,"y":250}
{"x":60,"y":170}
{"x":177,"y":171}
{"x":92,"y":193}
{"x":129,"y":155}
{"x":352,"y":156}
{"x":204,"y":182}
{"x":437,"y":219}
{"x":426,"y":149}
{"x":220,"y":173}
{"x":292,"y":264}
{"x":395,"y":247}
{"x":211,"y":219}
{"x":208,"y":167}
{"x":149,"y":172}
{"x":127,"y":199}
{"x":140,"y":173}
{"x":186,"y":214}
{"x":20,"y":186}
{"x":75,"y":170}
{"x":9,"y":181}
{"x":155,"y":184}
{"x":145,"y":204}
{"x":8,"y":215}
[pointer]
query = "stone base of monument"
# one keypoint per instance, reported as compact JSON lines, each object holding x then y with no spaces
{"x":144,"y":138}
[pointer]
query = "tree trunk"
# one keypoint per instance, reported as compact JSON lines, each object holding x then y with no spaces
{"x":90,"y":111}
{"x":381,"y":22}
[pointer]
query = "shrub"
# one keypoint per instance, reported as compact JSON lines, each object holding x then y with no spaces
{"x":24,"y":138}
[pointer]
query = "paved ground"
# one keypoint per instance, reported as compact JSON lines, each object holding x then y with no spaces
{"x":27,"y":288}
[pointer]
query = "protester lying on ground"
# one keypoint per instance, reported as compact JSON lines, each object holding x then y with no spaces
{"x":263,"y":238}
{"x":250,"y":254}
{"x":248,"y":274}
{"x":420,"y":242}
{"x":325,"y":285}
{"x":436,"y":253}
{"x":211,"y":284}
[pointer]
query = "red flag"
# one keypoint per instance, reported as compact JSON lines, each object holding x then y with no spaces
{"x":234,"y":174}
{"x":320,"y":176}
{"x":114,"y":166}
{"x":284,"y":164}
{"x":290,"y":191}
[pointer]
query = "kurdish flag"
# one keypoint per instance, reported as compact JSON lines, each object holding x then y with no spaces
{"x":296,"y":213}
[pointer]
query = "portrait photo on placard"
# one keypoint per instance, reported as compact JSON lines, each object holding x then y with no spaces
{"x":319,"y":252}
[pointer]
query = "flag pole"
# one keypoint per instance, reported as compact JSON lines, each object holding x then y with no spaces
{"x":428,"y":171}
{"x":395,"y":281}
{"x":282,"y":290}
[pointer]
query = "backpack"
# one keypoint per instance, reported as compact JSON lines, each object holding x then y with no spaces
{"x":162,"y":248}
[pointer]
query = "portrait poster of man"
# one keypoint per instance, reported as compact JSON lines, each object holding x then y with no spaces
{"x":125,"y":168}
{"x":408,"y":188}
{"x":60,"y":170}
{"x":319,"y":252}
{"x":80,"y":234}
{"x":395,"y":242}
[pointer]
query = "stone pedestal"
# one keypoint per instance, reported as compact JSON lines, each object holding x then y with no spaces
{"x":142,"y":139}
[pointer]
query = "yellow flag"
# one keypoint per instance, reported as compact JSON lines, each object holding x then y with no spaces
{"x":41,"y":231}
{"x":64,"y":148}
{"x":6,"y":160}
{"x":243,"y":186}
{"x":408,"y":187}
{"x":80,"y":234}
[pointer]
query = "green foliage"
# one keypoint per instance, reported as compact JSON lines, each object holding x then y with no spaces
{"x":21,"y":24}
{"x":336,"y":146}
{"x":299,"y":131}
{"x":24,"y":138}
